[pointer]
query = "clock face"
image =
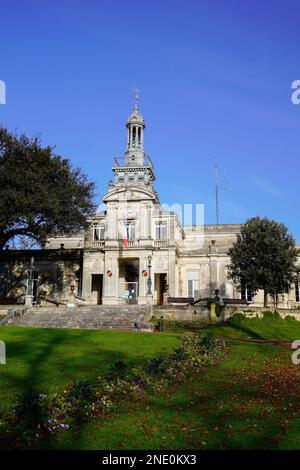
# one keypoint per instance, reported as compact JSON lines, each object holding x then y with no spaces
{"x":130,"y":213}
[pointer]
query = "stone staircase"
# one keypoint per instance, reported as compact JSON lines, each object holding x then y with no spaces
{"x":101,"y":317}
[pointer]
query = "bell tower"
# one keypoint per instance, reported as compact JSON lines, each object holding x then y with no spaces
{"x":134,"y":153}
{"x":135,"y":168}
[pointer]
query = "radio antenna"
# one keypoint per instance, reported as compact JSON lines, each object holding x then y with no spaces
{"x":217,"y":189}
{"x":219,"y":186}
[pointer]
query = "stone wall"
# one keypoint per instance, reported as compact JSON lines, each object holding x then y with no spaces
{"x":201,"y":313}
{"x":56,"y":271}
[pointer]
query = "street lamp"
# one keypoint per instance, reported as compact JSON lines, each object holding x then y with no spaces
{"x":30,"y":277}
{"x":149,"y":280}
{"x":29,"y":291}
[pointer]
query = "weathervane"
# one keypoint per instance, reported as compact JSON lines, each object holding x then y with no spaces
{"x":136,"y":91}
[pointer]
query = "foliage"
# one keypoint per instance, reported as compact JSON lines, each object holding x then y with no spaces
{"x":41,"y":195}
{"x":185,"y":325}
{"x":208,"y":342}
{"x":117,"y":370}
{"x":263,"y":257}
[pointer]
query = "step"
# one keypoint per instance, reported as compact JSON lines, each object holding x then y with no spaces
{"x":93,"y":317}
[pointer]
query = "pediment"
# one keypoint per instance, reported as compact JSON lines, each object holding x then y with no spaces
{"x":130,"y":194}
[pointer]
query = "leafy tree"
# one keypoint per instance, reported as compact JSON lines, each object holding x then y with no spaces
{"x":263,"y":257}
{"x":41,"y":195}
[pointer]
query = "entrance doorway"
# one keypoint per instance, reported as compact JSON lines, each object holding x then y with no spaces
{"x":97,"y":287}
{"x":129,"y":280}
{"x":160,"y":286}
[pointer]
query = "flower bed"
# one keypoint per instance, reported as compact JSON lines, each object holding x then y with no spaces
{"x":36,"y":415}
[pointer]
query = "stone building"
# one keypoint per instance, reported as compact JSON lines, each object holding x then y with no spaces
{"x":133,"y":251}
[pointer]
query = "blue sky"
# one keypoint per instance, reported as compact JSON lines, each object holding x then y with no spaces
{"x":216,"y":88}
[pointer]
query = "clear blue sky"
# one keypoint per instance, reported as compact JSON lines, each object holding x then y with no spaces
{"x":216,"y":88}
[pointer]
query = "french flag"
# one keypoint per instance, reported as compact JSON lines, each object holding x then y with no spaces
{"x":123,"y":232}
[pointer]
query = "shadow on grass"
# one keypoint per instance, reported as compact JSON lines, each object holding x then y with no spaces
{"x":241,"y":328}
{"x":31,"y":377}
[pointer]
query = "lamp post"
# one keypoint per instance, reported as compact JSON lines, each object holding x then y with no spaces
{"x":30,"y":278}
{"x":29,"y":294}
{"x":149,"y":280}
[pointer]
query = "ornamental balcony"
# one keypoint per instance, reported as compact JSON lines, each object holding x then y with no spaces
{"x":121,"y":162}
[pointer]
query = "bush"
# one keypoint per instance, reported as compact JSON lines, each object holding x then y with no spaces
{"x":236,"y":318}
{"x":290,"y":318}
{"x":268,"y":315}
{"x":118,"y":370}
{"x":208,"y":343}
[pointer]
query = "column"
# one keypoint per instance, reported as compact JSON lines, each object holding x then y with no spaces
{"x":111,"y":284}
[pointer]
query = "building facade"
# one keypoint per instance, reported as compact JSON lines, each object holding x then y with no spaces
{"x":133,"y":251}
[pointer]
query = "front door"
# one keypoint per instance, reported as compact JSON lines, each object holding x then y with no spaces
{"x":97,"y":285}
{"x":161,"y":282}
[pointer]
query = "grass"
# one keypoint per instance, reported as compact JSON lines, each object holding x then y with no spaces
{"x":269,"y":328}
{"x":247,"y":401}
{"x":215,"y":411}
{"x":49,"y":359}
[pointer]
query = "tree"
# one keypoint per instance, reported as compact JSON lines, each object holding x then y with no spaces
{"x":264,"y":256}
{"x":41,"y":195}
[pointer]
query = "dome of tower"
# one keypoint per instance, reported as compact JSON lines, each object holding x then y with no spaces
{"x":136,"y":117}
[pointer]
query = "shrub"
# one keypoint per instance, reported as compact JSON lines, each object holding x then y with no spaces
{"x":236,"y":318}
{"x":290,"y":318}
{"x":268,"y":315}
{"x":208,"y":343}
{"x":117,"y":370}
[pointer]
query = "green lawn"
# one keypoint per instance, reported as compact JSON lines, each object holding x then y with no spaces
{"x":219,"y":410}
{"x":277,"y":329}
{"x":249,"y":400}
{"x":49,"y":359}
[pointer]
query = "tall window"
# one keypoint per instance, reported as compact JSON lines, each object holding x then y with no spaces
{"x":246,"y":295}
{"x":193,"y":284}
{"x":130,"y":229}
{"x":161,"y":231}
{"x":297,"y":287}
{"x":99,"y":232}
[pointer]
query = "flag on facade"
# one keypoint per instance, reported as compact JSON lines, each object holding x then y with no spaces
{"x":123,"y":232}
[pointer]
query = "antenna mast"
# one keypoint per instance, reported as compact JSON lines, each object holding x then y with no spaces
{"x":217,"y":189}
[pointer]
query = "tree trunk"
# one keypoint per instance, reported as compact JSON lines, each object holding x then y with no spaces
{"x":265,"y":299}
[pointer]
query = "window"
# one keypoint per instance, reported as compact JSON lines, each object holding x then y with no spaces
{"x":161,"y":231}
{"x":99,"y":232}
{"x":193,"y":284}
{"x":297,"y":287}
{"x":245,"y":295}
{"x":130,"y":229}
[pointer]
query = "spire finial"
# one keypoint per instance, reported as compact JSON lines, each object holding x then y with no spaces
{"x":136,"y":97}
